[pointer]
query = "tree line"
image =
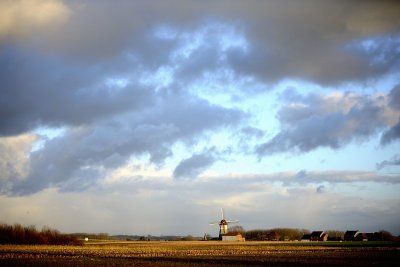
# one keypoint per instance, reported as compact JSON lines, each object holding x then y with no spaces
{"x":18,"y":234}
{"x":90,"y":236}
{"x":291,"y":234}
{"x":276,"y":234}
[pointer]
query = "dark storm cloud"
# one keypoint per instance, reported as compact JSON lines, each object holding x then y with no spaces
{"x":286,"y":39}
{"x":77,"y":159}
{"x":393,"y":134}
{"x":40,"y":89}
{"x":109,"y":122}
{"x":47,"y":89}
{"x":94,"y":84}
{"x":320,"y":189}
{"x":194,"y":165}
{"x":394,"y":96}
{"x":69,"y":76}
{"x":325,"y":121}
{"x":394,"y":161}
{"x":319,"y":40}
{"x":312,"y":40}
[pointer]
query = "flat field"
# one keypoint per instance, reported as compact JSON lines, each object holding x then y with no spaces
{"x":204,"y":253}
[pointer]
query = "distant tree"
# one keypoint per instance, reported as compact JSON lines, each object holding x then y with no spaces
{"x":103,"y":236}
{"x":257,"y":234}
{"x":237,"y":229}
{"x":272,"y":236}
{"x":99,"y":236}
{"x":276,"y":234}
{"x":189,"y":238}
{"x":18,"y":234}
{"x":290,"y":233}
{"x":384,"y":235}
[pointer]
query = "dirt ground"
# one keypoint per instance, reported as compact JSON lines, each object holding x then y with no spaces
{"x":202,"y":254}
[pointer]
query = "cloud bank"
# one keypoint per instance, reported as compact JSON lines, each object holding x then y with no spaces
{"x":250,"y":105}
{"x":331,"y":120}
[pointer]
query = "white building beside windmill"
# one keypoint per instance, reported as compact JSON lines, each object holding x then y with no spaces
{"x":223,"y":229}
{"x":233,"y":237}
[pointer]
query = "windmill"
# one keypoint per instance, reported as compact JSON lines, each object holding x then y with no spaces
{"x":223,"y":224}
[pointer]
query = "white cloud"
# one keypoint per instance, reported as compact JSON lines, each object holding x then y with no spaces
{"x":155,"y":207}
{"x":14,"y":159}
{"x":21,"y":18}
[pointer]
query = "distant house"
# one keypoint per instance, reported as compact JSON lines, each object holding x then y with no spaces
{"x":319,"y":236}
{"x":359,"y":236}
{"x":233,"y":237}
{"x":366,"y":236}
{"x":352,"y":235}
{"x":306,"y":238}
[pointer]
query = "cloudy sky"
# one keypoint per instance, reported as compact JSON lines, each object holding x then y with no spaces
{"x":147,"y":117}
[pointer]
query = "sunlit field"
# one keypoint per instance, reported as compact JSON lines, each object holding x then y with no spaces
{"x":204,"y":253}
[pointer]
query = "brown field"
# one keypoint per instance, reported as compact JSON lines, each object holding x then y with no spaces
{"x":203,"y":253}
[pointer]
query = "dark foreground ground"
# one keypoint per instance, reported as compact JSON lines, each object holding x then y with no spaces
{"x":204,"y":253}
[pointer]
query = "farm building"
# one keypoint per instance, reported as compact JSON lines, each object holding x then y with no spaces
{"x":318,"y":236}
{"x":233,"y":237}
{"x":366,"y":237}
{"x":351,"y":235}
{"x":359,"y":236}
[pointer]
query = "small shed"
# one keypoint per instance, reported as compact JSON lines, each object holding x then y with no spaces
{"x":233,"y":237}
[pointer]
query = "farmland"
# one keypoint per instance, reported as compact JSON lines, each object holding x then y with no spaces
{"x":204,"y":253}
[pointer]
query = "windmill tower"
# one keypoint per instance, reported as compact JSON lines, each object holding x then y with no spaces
{"x":223,"y":225}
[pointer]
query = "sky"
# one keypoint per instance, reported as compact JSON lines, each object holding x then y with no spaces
{"x":147,"y":117}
